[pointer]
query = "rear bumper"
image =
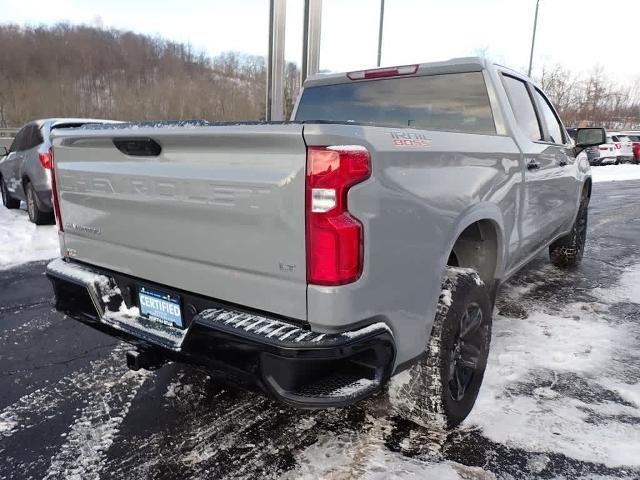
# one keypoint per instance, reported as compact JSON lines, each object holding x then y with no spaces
{"x":283,"y":358}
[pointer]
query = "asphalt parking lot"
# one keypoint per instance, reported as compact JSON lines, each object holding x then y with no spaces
{"x":561,"y":397}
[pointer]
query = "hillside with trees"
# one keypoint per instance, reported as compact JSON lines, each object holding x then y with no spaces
{"x":80,"y":71}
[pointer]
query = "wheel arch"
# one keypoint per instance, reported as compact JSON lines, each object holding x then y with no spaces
{"x":478,"y":242}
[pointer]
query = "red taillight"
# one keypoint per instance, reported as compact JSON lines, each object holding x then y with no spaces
{"x":618,"y":146}
{"x":54,"y":191}
{"x":383,"y":72}
{"x":334,"y":237}
{"x":603,"y":148}
{"x":45,"y":159}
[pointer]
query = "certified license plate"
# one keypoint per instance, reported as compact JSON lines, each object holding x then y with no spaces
{"x":160,"y":306}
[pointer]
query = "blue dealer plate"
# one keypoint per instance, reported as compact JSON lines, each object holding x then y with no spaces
{"x":161,"y":307}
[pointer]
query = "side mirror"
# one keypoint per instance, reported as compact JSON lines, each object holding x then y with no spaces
{"x":590,"y":137}
{"x":3,"y":151}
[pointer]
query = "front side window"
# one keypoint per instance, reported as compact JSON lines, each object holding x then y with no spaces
{"x":553,"y":124}
{"x":456,"y":102}
{"x":522,"y":107}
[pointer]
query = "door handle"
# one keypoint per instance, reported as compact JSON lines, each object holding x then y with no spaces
{"x":533,"y":165}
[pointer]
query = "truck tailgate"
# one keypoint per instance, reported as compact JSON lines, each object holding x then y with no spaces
{"x":219,"y":212}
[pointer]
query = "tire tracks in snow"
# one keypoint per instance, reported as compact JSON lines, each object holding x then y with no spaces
{"x":41,"y":405}
{"x":91,"y":435}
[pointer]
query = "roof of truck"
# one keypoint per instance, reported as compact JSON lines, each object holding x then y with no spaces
{"x":61,"y":120}
{"x":454,"y":65}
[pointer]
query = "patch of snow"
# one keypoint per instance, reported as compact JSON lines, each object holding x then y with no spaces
{"x":24,"y":242}
{"x":362,"y":456}
{"x":368,"y":329}
{"x":627,"y":289}
{"x":521,"y":403}
{"x":80,"y":273}
{"x":7,"y":423}
{"x":46,"y":401}
{"x":353,"y":388}
{"x":630,"y":283}
{"x":86,"y":444}
{"x":174,"y":389}
{"x":615,"y":173}
{"x":348,"y":148}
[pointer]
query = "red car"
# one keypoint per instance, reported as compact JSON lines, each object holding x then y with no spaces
{"x":635,"y":139}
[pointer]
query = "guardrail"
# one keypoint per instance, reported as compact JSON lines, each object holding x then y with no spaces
{"x":8,"y":132}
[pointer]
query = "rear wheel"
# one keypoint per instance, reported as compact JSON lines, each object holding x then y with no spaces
{"x":36,"y":215}
{"x":7,"y":200}
{"x":442,"y":388}
{"x":567,"y":251}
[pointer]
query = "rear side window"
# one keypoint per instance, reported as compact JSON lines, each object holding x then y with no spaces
{"x":522,"y":107}
{"x":452,"y":102}
{"x":33,"y":137}
{"x":17,"y":143}
{"x":553,"y":124}
{"x":27,"y":138}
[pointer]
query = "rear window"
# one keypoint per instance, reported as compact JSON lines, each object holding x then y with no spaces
{"x":67,"y":125}
{"x":452,"y":102}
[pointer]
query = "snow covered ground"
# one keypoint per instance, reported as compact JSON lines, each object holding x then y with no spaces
{"x":616,"y":173}
{"x":21,"y":241}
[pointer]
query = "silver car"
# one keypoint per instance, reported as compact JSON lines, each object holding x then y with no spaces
{"x":25,"y":168}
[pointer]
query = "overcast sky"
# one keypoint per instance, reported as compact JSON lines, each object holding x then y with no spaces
{"x":575,"y":33}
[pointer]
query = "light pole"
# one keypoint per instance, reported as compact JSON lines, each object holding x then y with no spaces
{"x":311,"y":38}
{"x":533,"y":40}
{"x":380,"y":31}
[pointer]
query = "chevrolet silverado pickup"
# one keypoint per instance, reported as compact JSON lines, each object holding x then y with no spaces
{"x":357,"y":248}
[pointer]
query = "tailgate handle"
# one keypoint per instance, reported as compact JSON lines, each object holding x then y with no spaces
{"x":138,"y":147}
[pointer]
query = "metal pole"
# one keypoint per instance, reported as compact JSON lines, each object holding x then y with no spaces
{"x":275,"y":63}
{"x":533,"y":40}
{"x":311,"y":37}
{"x":380,"y":31}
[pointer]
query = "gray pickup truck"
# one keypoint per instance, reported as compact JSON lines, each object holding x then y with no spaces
{"x":317,"y":259}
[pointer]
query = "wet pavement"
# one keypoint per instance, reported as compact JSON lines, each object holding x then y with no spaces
{"x":561,"y":397}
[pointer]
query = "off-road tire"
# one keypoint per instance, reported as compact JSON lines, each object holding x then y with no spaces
{"x":567,"y":251}
{"x":36,"y":215}
{"x":7,"y":200}
{"x":424,"y":394}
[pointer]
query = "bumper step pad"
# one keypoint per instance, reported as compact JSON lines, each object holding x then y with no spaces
{"x":278,"y":332}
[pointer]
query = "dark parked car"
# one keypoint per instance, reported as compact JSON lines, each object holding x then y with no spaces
{"x":25,"y":168}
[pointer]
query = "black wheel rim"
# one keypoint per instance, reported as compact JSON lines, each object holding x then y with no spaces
{"x":30,"y":203}
{"x":466,"y":352}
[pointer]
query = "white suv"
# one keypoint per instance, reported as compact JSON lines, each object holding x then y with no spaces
{"x":622,"y":147}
